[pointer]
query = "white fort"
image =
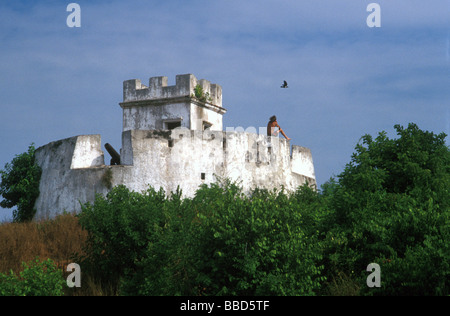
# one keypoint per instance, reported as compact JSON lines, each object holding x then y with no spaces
{"x":170,"y":138}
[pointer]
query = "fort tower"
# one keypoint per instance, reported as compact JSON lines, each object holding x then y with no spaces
{"x":171,"y":136}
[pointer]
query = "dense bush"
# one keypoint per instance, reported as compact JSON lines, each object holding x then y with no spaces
{"x":218,"y":243}
{"x":391,"y":207}
{"x":120,"y":227}
{"x":236,"y":245}
{"x":37,"y":279}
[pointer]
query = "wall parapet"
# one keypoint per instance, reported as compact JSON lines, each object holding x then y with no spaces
{"x":134,"y":90}
{"x":74,"y":169}
{"x":302,"y":161}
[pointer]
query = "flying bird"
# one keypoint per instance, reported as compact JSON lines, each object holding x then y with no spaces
{"x":284,"y":85}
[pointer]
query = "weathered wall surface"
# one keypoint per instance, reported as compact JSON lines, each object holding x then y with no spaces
{"x":152,"y":115}
{"x":302,"y":161}
{"x":201,"y":113}
{"x":74,"y":170}
{"x":71,"y":173}
{"x":150,"y":107}
{"x":134,"y":90}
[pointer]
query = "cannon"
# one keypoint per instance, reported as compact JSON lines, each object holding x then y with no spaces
{"x":115,"y":157}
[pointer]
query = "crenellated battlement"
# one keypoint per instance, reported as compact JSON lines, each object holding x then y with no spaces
{"x":134,"y":90}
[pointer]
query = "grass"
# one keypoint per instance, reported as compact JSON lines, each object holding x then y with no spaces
{"x":59,"y":239}
{"x":342,"y":285}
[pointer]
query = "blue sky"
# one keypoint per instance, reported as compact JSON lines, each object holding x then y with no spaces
{"x":345,"y":79}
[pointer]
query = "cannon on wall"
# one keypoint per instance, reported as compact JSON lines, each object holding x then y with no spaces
{"x":115,"y":157}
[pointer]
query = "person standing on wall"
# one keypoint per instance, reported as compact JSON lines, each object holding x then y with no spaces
{"x":271,"y":128}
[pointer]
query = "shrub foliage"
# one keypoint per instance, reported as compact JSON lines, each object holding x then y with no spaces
{"x":19,"y":185}
{"x":389,"y":206}
{"x":37,"y":279}
{"x":219,"y":243}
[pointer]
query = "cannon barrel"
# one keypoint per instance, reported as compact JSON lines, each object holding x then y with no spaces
{"x":115,"y":157}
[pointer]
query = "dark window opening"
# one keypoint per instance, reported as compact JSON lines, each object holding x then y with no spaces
{"x":173,"y":125}
{"x":170,"y":142}
{"x":206,"y":125}
{"x":203,"y":176}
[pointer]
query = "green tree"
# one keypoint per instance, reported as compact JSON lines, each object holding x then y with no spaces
{"x":20,"y":185}
{"x":224,"y":243}
{"x":120,"y":228}
{"x":391,"y":207}
{"x":417,"y":164}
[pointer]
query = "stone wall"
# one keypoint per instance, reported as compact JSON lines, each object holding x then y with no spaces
{"x":134,"y":90}
{"x":153,"y":106}
{"x":74,"y":169}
